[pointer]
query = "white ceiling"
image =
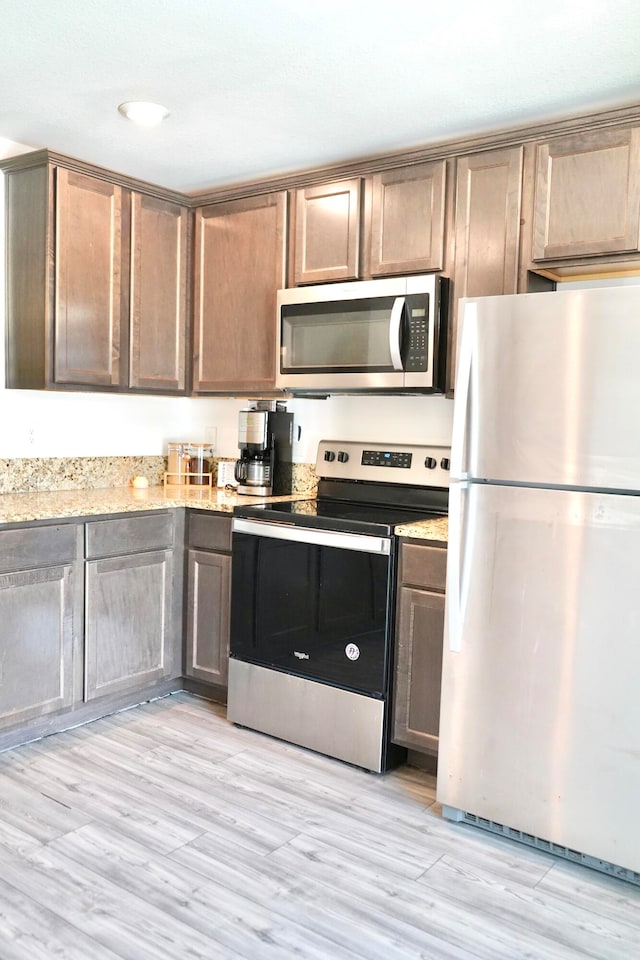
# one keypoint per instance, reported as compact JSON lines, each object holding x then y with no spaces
{"x":262,"y":87}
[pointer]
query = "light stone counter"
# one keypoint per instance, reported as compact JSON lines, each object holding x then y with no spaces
{"x":437,"y":528}
{"x":63,"y":504}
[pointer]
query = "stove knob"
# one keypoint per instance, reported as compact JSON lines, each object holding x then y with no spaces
{"x":431,"y":463}
{"x":445,"y":463}
{"x":329,"y":455}
{"x":343,"y":457}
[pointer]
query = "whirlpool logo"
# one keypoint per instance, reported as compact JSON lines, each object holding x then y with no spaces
{"x":300,"y":656}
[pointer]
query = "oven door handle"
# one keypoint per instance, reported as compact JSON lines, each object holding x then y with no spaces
{"x":362,"y":543}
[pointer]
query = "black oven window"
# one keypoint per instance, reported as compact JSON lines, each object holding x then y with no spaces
{"x":318,"y":612}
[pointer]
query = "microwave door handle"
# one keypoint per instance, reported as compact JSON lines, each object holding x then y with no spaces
{"x":395,"y":332}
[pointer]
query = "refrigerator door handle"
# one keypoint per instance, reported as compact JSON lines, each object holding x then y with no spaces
{"x":458,"y":564}
{"x":461,"y":411}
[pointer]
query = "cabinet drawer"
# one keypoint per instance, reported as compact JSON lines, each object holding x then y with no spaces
{"x":209,"y":532}
{"x":423,"y":566}
{"x":112,"y":538}
{"x":37,"y":547}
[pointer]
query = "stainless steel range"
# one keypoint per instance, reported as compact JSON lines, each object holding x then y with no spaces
{"x":313,"y":600}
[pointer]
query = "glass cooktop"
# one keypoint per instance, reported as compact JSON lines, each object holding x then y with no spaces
{"x":336,"y":515}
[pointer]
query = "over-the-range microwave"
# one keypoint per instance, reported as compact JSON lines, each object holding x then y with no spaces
{"x":363,"y":337}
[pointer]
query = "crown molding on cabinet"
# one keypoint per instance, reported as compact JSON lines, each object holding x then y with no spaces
{"x":505,"y":137}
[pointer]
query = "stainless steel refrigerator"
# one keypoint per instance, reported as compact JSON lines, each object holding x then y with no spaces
{"x":540,"y":718}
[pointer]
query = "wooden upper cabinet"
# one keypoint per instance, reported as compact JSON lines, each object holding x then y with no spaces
{"x":587,"y":195}
{"x":327,"y":232}
{"x":407,"y":219}
{"x":158,"y":297}
{"x":96,"y":280}
{"x":88,"y":280}
{"x":487,"y":223}
{"x":239,"y":266}
{"x":487,"y":231}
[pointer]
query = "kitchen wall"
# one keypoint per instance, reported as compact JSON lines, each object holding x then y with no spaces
{"x":39,"y":424}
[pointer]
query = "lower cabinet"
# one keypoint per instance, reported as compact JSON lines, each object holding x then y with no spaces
{"x":129,"y":622}
{"x":208,"y":598}
{"x":96,"y":610}
{"x":419,"y":636}
{"x":40,"y":621}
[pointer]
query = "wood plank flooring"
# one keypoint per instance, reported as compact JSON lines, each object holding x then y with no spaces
{"x":165,"y":832}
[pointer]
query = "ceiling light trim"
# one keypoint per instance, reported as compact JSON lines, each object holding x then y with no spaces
{"x":143,"y":112}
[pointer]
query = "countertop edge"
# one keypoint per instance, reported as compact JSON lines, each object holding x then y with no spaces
{"x":37,"y":506}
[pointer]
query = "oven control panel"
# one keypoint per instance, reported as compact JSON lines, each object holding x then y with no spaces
{"x":387,"y":458}
{"x":421,"y":464}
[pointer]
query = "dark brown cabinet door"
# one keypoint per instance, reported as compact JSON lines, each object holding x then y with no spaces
{"x":88,"y":281}
{"x":418,"y":670}
{"x":128,"y":622}
{"x":208,"y":603}
{"x":327,"y":232}
{"x":239,"y":266}
{"x":587,"y":195}
{"x":36,"y":643}
{"x":487,"y":230}
{"x":158,"y":294}
{"x":407,"y":220}
{"x":419,"y":638}
{"x":40,"y":620}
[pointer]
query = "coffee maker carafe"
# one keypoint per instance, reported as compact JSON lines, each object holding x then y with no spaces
{"x":263,"y":434}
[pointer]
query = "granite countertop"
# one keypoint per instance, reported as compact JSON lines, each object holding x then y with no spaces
{"x":66,"y":504}
{"x":61,"y":504}
{"x":437,"y":528}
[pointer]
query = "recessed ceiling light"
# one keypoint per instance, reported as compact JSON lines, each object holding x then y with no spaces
{"x":142,"y":112}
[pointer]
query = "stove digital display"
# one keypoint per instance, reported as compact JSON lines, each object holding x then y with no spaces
{"x":383,"y":458}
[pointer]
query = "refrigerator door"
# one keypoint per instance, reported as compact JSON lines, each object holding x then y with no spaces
{"x":552,"y":383}
{"x":540,"y":725}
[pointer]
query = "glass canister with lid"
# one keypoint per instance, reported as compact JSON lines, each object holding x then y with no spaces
{"x":200,"y":465}
{"x":178,"y":462}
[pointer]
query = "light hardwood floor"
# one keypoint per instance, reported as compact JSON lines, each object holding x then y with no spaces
{"x":165,"y":832}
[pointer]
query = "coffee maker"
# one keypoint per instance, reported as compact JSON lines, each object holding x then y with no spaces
{"x":265,"y":433}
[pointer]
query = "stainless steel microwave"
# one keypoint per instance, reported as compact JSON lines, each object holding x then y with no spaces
{"x":363,"y":337}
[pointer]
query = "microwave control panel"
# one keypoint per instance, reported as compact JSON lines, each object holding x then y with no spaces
{"x":416,"y":354}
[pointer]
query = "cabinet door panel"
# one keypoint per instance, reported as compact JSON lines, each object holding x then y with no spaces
{"x":36,"y":643}
{"x":34,"y":547}
{"x":88,"y":282}
{"x":487,"y":230}
{"x":123,"y":535}
{"x":423,"y":566}
{"x":407,"y":219}
{"x":209,"y":532}
{"x":327,"y":235}
{"x":159,"y":236}
{"x":587,"y":198}
{"x":128,"y":617}
{"x":207,"y":649}
{"x":418,"y":670}
{"x":239,"y":266}
{"x":488,"y":192}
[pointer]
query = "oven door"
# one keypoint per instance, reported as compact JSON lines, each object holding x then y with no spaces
{"x":313,"y":603}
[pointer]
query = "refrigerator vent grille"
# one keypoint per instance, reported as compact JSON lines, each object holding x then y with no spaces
{"x":559,"y":851}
